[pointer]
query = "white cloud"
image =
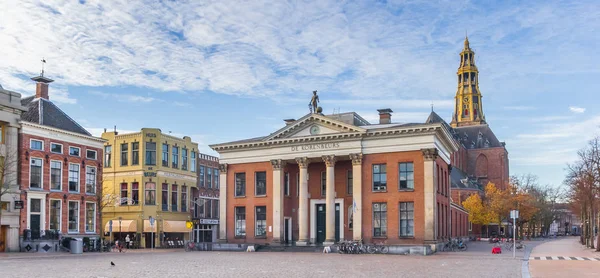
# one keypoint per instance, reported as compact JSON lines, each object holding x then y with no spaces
{"x":519,"y":108}
{"x":576,"y":109}
{"x":124,"y":97}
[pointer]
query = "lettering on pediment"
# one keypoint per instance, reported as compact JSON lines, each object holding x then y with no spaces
{"x":315,"y":147}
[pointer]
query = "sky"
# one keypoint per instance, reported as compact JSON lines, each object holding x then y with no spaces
{"x":220,"y":71}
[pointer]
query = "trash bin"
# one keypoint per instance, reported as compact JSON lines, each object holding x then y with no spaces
{"x":76,"y":246}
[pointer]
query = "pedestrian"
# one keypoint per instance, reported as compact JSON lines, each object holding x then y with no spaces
{"x":127,"y":240}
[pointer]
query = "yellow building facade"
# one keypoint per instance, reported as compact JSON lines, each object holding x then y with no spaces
{"x":148,"y":174}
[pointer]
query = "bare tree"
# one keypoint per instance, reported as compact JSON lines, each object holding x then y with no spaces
{"x":9,"y":160}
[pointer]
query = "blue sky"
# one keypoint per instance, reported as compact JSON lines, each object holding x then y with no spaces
{"x":221,"y":70}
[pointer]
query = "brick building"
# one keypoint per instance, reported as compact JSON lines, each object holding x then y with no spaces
{"x":206,"y":207}
{"x":326,"y":178}
{"x":60,"y":169}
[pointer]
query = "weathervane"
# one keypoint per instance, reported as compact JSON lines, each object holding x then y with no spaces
{"x":43,"y":62}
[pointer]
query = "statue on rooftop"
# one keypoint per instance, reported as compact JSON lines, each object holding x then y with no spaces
{"x":313,"y":105}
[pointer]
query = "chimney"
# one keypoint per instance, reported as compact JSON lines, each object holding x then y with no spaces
{"x":289,"y":121}
{"x":385,"y":115}
{"x":41,"y":88}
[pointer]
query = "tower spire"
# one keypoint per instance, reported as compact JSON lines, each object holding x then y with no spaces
{"x":468,"y":109}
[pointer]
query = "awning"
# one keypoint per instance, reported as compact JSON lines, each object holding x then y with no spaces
{"x":175,"y":227}
{"x":148,"y":228}
{"x":126,"y":226}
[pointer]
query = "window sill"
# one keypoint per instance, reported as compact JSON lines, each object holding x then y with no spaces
{"x":260,"y":237}
{"x":406,"y":237}
{"x":90,"y":193}
{"x":73,"y":192}
{"x":35,"y":188}
{"x":260,"y":196}
{"x":240,"y":237}
{"x":239,"y":197}
{"x":379,"y":191}
{"x":72,"y":232}
{"x":55,"y":190}
{"x":406,"y":190}
{"x":380,"y":237}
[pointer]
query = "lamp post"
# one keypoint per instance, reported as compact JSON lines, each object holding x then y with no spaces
{"x":120,"y":228}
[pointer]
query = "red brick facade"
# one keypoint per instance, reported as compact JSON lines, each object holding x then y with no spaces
{"x":489,"y":165}
{"x":64,"y":195}
{"x":392,"y":197}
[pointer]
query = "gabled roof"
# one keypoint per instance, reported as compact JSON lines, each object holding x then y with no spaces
{"x":477,"y":137}
{"x":460,"y":179}
{"x":311,"y":118}
{"x":43,"y":112}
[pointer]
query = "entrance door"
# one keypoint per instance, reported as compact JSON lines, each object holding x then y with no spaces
{"x":287,"y":226}
{"x":34,"y":223}
{"x":321,"y":209}
{"x":320,"y":222}
{"x":3,"y":231}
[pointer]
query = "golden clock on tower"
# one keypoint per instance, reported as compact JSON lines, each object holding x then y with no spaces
{"x":468,"y":109}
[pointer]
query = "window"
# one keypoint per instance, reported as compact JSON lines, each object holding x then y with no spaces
{"x":323,"y":183}
{"x":349,"y":184}
{"x":215,"y":209}
{"x":201,"y":175}
{"x":36,"y":145}
{"x":55,"y":214}
{"x":260,"y":183}
{"x":165,"y":155}
{"x":240,"y":221}
{"x":73,"y":216}
{"x":74,"y":151}
{"x":183,"y":198}
{"x":135,"y":153}
{"x":193,"y":158}
{"x":90,"y":179}
{"x":150,"y":153}
{"x":135,"y":193}
{"x":407,"y":218}
{"x":261,"y":222}
{"x":56,"y":148}
{"x":55,"y":175}
{"x":201,"y":207}
{"x":74,"y":177}
{"x":240,"y":184}
{"x":90,"y":217}
{"x":4,"y":206}
{"x":286,"y":184}
{"x":208,"y":208}
{"x":174,"y":197}
{"x":165,"y":197}
{"x":36,"y":205}
{"x":150,"y":197}
{"x":124,"y":190}
{"x":406,"y":176}
{"x":91,"y":154}
{"x":216,"y":178}
{"x":175,"y":157}
{"x":350,"y":217}
{"x":124,"y":154}
{"x":379,"y":177}
{"x":35,"y":173}
{"x":107,"y":155}
{"x":379,"y":219}
{"x":184,"y":159}
{"x":208,"y":177}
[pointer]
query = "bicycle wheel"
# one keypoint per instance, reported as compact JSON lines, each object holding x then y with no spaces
{"x":385,"y":249}
{"x":462,"y":247}
{"x":371,"y":249}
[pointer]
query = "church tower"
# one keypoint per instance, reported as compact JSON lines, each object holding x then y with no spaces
{"x":468,"y":107}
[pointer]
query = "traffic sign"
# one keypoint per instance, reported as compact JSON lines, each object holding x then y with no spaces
{"x":189,"y":224}
{"x":514,"y":214}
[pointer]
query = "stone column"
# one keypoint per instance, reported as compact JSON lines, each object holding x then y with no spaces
{"x":429,"y":156}
{"x":357,"y":195}
{"x":278,"y":165}
{"x":223,"y":202}
{"x":303,"y":202}
{"x":330,"y":199}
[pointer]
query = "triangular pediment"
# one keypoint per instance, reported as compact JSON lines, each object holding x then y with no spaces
{"x":314,"y":125}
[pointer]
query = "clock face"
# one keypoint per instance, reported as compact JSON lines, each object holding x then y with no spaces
{"x":314,"y":129}
{"x":466,"y":99}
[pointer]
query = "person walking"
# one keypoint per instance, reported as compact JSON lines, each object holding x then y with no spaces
{"x":127,"y":240}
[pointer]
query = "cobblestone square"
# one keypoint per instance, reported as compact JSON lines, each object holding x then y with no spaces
{"x":476,"y":262}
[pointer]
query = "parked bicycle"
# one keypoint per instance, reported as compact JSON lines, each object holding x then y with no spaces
{"x":190,"y":246}
{"x":519,"y":245}
{"x":377,"y":248}
{"x":351,"y":247}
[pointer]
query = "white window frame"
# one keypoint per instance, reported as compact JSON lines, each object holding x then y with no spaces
{"x":31,"y":141}
{"x":59,"y":144}
{"x":78,"y":216}
{"x":193,"y":165}
{"x":95,"y":154}
{"x":61,"y":175}
{"x":287,"y":184}
{"x":59,"y":216}
{"x":95,"y":179}
{"x":42,"y":173}
{"x":71,"y":147}
{"x":78,"y":177}
{"x":85,"y":218}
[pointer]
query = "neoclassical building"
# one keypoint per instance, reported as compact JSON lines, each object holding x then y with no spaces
{"x":325,"y":178}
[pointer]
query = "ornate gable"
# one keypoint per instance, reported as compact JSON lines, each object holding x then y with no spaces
{"x":314,"y":125}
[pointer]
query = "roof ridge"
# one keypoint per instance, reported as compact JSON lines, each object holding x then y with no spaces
{"x":66,"y":115}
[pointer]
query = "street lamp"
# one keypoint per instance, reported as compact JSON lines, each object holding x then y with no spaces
{"x":120,"y":228}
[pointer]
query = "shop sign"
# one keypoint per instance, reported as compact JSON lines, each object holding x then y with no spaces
{"x":316,"y":147}
{"x":18,"y":204}
{"x":149,"y":174}
{"x":150,"y":135}
{"x":209,"y":221}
